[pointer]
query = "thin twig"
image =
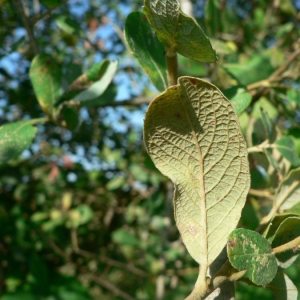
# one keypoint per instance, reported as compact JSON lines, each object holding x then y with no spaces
{"x":115,"y":290}
{"x":294,"y":244}
{"x":278,"y":203}
{"x":28,"y":27}
{"x":46,"y":14}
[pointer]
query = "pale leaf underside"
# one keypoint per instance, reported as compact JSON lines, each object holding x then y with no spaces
{"x":193,"y":136}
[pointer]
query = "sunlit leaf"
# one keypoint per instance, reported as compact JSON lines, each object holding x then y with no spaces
{"x":69,"y":25}
{"x":46,"y":77}
{"x":146,"y":48}
{"x":287,"y":148}
{"x":288,"y":193}
{"x":177,"y":31}
{"x":14,"y":139}
{"x":192,"y":134}
{"x":106,"y":73}
{"x":239,"y":97}
{"x":249,"y":250}
{"x":283,"y":288}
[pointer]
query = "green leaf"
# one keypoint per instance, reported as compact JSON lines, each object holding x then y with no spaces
{"x":193,"y":136}
{"x":213,"y":17}
{"x":288,"y":193}
{"x":146,"y":48}
{"x":177,"y":31}
{"x":249,"y":250}
{"x":123,"y":237}
{"x":80,"y":215}
{"x":239,"y":97}
{"x":51,"y":3}
{"x":71,"y":117}
{"x":294,"y":209}
{"x":257,"y":68}
{"x":46,"y":77}
{"x":106,"y":74}
{"x":288,"y":230}
{"x":68,"y":25}
{"x":283,"y":288}
{"x":287,"y":149}
{"x":108,"y":96}
{"x":14,"y":139}
{"x":268,"y":126}
{"x":294,"y":95}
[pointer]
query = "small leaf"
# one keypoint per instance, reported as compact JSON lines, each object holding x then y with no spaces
{"x":14,"y":139}
{"x":177,"y":31}
{"x":288,"y":193}
{"x":106,"y":73}
{"x":288,"y":230}
{"x":108,"y":96}
{"x":146,"y":48}
{"x":271,"y":159}
{"x":283,"y":288}
{"x":239,"y":97}
{"x":249,"y":250}
{"x":69,"y":25}
{"x":287,"y":149}
{"x":46,"y":77}
{"x":193,"y":136}
{"x":268,"y":126}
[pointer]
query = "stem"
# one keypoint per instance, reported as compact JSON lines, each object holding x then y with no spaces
{"x":172,"y":66}
{"x":27,"y":25}
{"x":288,"y":246}
{"x":273,"y":211}
{"x":200,"y":287}
{"x":39,"y":121}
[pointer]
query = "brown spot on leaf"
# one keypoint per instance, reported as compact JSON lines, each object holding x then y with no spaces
{"x":178,"y":115}
{"x":232,"y":243}
{"x":193,"y":81}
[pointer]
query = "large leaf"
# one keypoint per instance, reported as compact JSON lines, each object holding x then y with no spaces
{"x":288,"y":193}
{"x":177,"y":31}
{"x":14,"y":139}
{"x":193,"y":136}
{"x":249,"y":250}
{"x":46,"y":77}
{"x":106,"y":74}
{"x":146,"y":48}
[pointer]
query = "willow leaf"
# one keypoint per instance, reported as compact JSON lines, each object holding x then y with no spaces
{"x":193,"y":136}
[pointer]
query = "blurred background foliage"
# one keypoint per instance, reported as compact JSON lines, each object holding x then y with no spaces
{"x":84,"y":214}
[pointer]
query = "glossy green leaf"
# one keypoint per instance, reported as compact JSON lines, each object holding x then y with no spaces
{"x":268,"y":126}
{"x":46,"y":77}
{"x":108,"y":96}
{"x":274,"y":224}
{"x":106,"y":74}
{"x":288,"y":230}
{"x":146,"y":48}
{"x":239,"y":97}
{"x":68,"y":25}
{"x":249,"y":250}
{"x":193,"y":136}
{"x":287,"y":149}
{"x":283,"y":288}
{"x":177,"y":31}
{"x":14,"y":139}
